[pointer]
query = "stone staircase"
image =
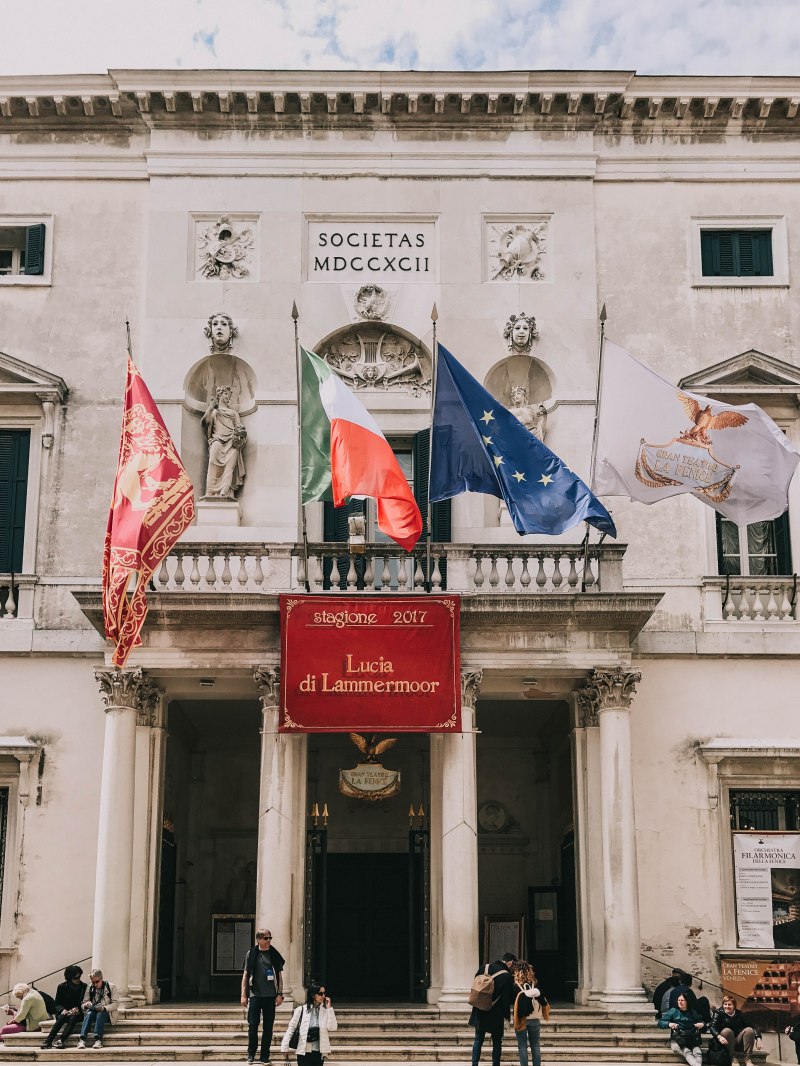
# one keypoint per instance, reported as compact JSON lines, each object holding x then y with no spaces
{"x":366,"y":1034}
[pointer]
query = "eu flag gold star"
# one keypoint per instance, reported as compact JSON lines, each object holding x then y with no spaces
{"x":498,"y":459}
{"x":545,"y":480}
{"x":487,"y":440}
{"x":518,"y":476}
{"x":488,"y":416}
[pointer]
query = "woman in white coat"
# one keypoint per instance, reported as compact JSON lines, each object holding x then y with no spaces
{"x":312,"y":1022}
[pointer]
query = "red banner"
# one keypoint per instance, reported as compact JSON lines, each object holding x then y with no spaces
{"x":375,"y":664}
{"x":152,"y":504}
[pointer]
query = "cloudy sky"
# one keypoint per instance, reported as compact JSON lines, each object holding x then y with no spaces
{"x":649,"y":36}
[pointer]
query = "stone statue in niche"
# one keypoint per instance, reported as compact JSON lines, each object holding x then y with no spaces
{"x":221,"y":367}
{"x":519,"y":334}
{"x":532,"y":416}
{"x":517,"y":251}
{"x":226,"y":440}
{"x":223,"y":252}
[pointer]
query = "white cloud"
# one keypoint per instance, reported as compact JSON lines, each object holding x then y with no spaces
{"x":650,"y":36}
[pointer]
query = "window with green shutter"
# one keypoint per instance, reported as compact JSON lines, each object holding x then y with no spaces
{"x":22,"y":249}
{"x":736,"y":253}
{"x":14,"y":454}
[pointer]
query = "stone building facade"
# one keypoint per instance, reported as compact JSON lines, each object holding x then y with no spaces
{"x":615,"y":719}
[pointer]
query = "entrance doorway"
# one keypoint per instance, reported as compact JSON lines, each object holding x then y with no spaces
{"x":368,"y":943}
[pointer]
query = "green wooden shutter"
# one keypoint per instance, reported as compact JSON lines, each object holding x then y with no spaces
{"x":334,"y":519}
{"x":736,"y":253}
{"x":783,"y":550}
{"x":14,"y":455}
{"x":440,"y":512}
{"x":34,"y":249}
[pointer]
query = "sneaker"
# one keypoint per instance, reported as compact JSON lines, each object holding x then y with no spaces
{"x":250,"y":1059}
{"x":59,"y":1044}
{"x":81,"y":1044}
{"x":46,"y":1045}
{"x":97,"y":1043}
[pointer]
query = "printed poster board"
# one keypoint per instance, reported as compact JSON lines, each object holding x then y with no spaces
{"x":767,"y":875}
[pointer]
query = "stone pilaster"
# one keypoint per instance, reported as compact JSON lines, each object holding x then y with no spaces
{"x":460,"y":952}
{"x":281,"y":830}
{"x":124,"y":693}
{"x":608,"y":695}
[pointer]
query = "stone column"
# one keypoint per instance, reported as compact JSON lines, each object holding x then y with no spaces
{"x":589,"y":849}
{"x":122,"y":692}
{"x":611,"y":692}
{"x":281,"y":820}
{"x":460,"y":954}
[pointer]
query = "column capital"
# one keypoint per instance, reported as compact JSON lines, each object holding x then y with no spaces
{"x":470,"y":686}
{"x":607,"y":689}
{"x":123,"y":688}
{"x":149,"y":707}
{"x":267,"y":679}
{"x":588,"y":715}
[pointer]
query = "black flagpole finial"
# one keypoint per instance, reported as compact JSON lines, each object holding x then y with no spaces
{"x":434,"y":314}
{"x":603,"y":315}
{"x":295,"y":312}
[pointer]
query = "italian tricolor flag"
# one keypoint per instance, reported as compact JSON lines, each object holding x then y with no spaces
{"x":344,"y":454}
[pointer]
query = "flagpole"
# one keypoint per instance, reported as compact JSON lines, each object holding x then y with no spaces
{"x":300,"y":505}
{"x":593,"y":460}
{"x":435,"y":359}
{"x":128,"y":329}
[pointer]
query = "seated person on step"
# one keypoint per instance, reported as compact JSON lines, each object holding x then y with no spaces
{"x":29,"y":1015}
{"x":70,"y":995}
{"x":99,"y":1008}
{"x":685,"y":1026}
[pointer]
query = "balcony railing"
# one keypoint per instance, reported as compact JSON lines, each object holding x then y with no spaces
{"x":751,"y":599}
{"x":257,"y":567}
{"x":16,"y":595}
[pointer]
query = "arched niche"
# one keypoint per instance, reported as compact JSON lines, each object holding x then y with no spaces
{"x":378,"y":357}
{"x":519,"y":371}
{"x":221,"y":368}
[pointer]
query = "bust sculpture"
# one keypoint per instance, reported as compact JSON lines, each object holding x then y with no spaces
{"x":519,"y":334}
{"x":226,"y":440}
{"x":221,"y":367}
{"x":220,"y":332}
{"x":532,"y":416}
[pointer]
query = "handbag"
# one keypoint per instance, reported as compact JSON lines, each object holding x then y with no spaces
{"x":294,"y":1039}
{"x":718,"y":1054}
{"x":312,"y":1034}
{"x":686,"y":1038}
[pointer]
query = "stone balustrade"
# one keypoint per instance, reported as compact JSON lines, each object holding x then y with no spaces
{"x":258,"y":567}
{"x":751,"y":599}
{"x":16,"y":595}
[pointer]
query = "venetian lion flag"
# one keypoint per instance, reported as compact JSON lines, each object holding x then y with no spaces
{"x":655,"y":440}
{"x":152,"y":504}
{"x":343,"y":454}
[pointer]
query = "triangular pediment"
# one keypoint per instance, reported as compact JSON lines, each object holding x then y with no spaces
{"x":751,"y":370}
{"x":17,"y":376}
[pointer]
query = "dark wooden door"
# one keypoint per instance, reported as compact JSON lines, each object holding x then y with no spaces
{"x":368,"y":948}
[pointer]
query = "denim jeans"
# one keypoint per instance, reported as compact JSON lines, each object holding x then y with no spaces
{"x":497,"y":1046}
{"x":532,"y":1030}
{"x":98,"y":1015}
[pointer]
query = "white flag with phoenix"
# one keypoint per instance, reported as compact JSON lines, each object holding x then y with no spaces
{"x":655,"y":440}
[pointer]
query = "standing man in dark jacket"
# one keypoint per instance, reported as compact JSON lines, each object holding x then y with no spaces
{"x":262,"y":992}
{"x":70,"y":994}
{"x":492,"y":1021}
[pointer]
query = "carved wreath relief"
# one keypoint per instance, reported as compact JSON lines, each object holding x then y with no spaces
{"x":517,"y":250}
{"x":225,"y":249}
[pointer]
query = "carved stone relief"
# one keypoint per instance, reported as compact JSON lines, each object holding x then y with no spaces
{"x":225,"y":248}
{"x":375,"y":358}
{"x":371,"y":302}
{"x":517,"y":250}
{"x":520,"y":332}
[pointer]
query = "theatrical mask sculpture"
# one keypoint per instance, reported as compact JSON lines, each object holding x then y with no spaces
{"x":519,"y":334}
{"x":226,"y":440}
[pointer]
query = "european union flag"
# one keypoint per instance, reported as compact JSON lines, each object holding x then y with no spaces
{"x":477,"y":445}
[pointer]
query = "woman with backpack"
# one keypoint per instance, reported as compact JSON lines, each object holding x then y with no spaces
{"x":530,"y":1010}
{"x":732,"y":1030}
{"x":28,"y":1017}
{"x":99,"y":1007}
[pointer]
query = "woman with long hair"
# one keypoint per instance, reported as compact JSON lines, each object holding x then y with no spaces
{"x":312,"y":1023}
{"x":530,"y":1009}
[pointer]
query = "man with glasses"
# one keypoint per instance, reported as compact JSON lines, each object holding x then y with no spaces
{"x":262,"y":992}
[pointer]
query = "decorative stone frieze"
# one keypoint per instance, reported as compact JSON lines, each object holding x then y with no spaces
{"x":375,"y":358}
{"x":470,"y":686}
{"x":123,"y":688}
{"x":516,"y":249}
{"x":267,"y":679}
{"x":225,"y":248}
{"x":612,"y":688}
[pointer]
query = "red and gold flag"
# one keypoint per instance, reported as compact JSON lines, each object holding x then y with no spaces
{"x":152,"y":505}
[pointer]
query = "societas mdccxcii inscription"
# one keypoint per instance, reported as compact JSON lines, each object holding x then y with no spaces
{"x":348,"y":250}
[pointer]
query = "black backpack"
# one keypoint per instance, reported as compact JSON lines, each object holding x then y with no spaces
{"x":718,"y":1054}
{"x":49,"y":1002}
